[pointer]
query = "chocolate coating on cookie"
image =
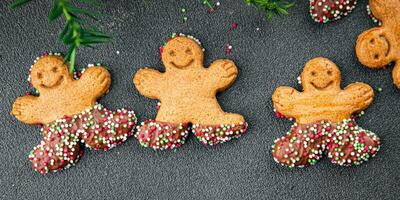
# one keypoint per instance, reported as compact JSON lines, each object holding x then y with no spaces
{"x":161,"y":135}
{"x":324,"y":11}
{"x":345,"y":143}
{"x":96,"y":128}
{"x":216,"y":134}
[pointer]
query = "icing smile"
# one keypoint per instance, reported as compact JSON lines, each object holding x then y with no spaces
{"x":322,"y":87}
{"x":182,"y":66}
{"x":58,"y":82}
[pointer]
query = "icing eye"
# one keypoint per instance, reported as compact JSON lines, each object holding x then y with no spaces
{"x":330,"y":73}
{"x":372,"y":41}
{"x":39,"y":75}
{"x":376,"y":56}
{"x":313,"y":73}
{"x":188,"y":51}
{"x":172,"y":53}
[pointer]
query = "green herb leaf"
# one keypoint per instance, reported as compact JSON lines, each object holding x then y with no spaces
{"x":272,"y":7}
{"x":56,"y":11}
{"x":19,"y":3}
{"x":82,"y":11}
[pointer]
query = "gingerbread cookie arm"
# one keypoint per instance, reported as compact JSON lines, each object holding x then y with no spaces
{"x":358,"y":95}
{"x":284,"y":100}
{"x":95,"y":81}
{"x":26,"y":109}
{"x":388,"y":11}
{"x":148,"y":82}
{"x":223,"y":73}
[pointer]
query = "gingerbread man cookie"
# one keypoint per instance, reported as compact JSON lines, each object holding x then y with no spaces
{"x":379,"y":46}
{"x":324,"y":11}
{"x":67,"y":110}
{"x":187,"y":92}
{"x":324,"y":122}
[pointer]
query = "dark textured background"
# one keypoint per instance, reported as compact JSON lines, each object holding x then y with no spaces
{"x":243,"y":169}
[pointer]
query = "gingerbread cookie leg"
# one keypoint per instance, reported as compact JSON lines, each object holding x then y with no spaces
{"x":162,"y":135}
{"x":302,"y":146}
{"x":105,"y":129}
{"x":220,"y":128}
{"x":59,"y":148}
{"x":351,"y":144}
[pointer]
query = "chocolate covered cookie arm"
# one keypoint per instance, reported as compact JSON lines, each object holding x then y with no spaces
{"x":223,"y":73}
{"x":95,"y":80}
{"x":284,"y":99}
{"x":25,"y":109}
{"x":148,"y":82}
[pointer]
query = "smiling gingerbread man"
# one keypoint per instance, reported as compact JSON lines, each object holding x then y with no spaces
{"x":323,"y":113}
{"x":187,"y":92}
{"x":378,"y":47}
{"x":67,"y":109}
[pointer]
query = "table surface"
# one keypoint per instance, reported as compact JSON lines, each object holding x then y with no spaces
{"x":268,"y":54}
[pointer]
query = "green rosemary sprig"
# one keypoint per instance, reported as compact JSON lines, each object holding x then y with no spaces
{"x":272,"y":7}
{"x":75,"y":32}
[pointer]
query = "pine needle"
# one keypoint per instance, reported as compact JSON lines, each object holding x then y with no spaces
{"x":75,"y":33}
{"x":272,"y":7}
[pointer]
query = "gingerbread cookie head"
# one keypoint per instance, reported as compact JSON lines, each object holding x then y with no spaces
{"x":181,"y":53}
{"x":379,"y":46}
{"x":374,"y":48}
{"x":49,"y":73}
{"x":320,"y":74}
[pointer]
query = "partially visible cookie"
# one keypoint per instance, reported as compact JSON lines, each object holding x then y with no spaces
{"x":67,"y":109}
{"x":380,"y":46}
{"x":323,"y":114}
{"x":187,"y":91}
{"x":324,"y":11}
{"x":372,"y":16}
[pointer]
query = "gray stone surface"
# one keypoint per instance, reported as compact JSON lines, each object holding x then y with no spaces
{"x":243,"y":169}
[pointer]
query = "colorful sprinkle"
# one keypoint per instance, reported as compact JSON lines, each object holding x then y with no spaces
{"x":212,"y":135}
{"x":371,"y":15}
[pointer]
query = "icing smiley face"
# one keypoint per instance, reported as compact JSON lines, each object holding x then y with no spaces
{"x":47,"y":74}
{"x":374,"y":49}
{"x":320,"y":74}
{"x":182,"y":52}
